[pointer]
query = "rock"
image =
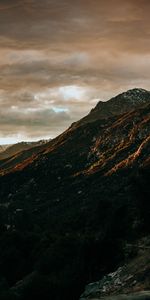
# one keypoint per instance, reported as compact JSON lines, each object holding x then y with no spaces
{"x":144,"y":295}
{"x":129,"y":282}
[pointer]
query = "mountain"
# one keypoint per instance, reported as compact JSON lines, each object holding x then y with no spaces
{"x":3,"y":148}
{"x":16,"y":157}
{"x":120,"y":104}
{"x":20,"y":154}
{"x":10,"y":150}
{"x":70,"y":208}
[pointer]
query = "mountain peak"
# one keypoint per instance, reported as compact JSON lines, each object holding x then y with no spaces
{"x":136,"y":94}
{"x":133,"y":96}
{"x":136,"y":91}
{"x":117,"y":105}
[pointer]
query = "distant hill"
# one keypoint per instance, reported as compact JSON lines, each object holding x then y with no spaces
{"x":10,"y":150}
{"x":3,"y":148}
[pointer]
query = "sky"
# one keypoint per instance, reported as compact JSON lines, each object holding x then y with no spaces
{"x":58,"y":58}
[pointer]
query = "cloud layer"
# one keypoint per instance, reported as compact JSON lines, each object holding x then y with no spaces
{"x":59,"y":57}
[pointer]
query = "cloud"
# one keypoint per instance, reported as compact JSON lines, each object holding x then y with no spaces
{"x":31,"y":122}
{"x":57,"y":58}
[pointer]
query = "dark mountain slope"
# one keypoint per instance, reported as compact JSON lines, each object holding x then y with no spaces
{"x":68,"y":212}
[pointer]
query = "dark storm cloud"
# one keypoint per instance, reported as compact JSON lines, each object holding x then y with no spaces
{"x":93,"y":48}
{"x":55,"y":23}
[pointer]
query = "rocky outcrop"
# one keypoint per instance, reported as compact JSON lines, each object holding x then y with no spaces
{"x":145,"y":295}
{"x":131,"y":281}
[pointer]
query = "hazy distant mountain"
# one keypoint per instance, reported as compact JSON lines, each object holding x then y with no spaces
{"x":3,"y":147}
{"x":10,"y":150}
{"x":71,"y":207}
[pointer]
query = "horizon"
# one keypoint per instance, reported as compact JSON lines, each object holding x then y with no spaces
{"x":59,"y":58}
{"x":13,"y":141}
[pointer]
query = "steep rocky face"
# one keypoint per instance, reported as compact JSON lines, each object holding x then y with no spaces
{"x":70,"y":201}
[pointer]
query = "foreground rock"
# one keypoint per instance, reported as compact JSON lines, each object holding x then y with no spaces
{"x":131,"y":281}
{"x":145,"y":295}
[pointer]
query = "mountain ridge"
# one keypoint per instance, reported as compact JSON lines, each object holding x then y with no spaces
{"x":119,"y":104}
{"x":96,"y":114}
